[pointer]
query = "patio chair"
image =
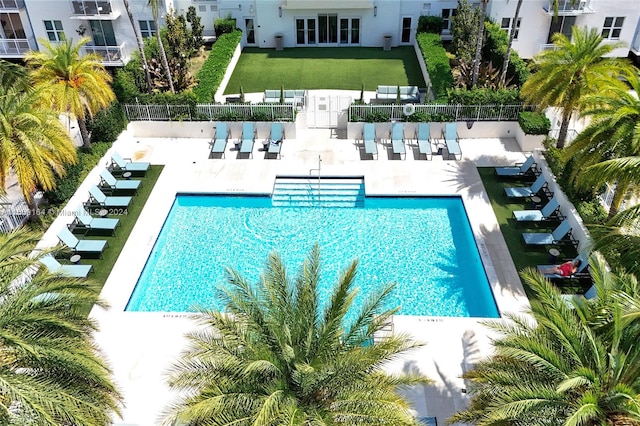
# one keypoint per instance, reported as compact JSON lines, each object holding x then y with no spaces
{"x":276,"y":138}
{"x":82,"y":247}
{"x":219,"y":142}
{"x":451,"y":141}
{"x":248,"y":138}
{"x":545,"y":238}
{"x":369,"y":139}
{"x":584,"y":258}
{"x":526,"y":191}
{"x":576,"y":299}
{"x":549,"y":212}
{"x":397,"y":140}
{"x":86,"y":221}
{"x":423,"y":137}
{"x":528,"y":168}
{"x":108,"y":180}
{"x":74,"y":271}
{"x":96,"y":196}
{"x":120,"y":164}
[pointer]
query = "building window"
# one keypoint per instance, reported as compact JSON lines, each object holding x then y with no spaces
{"x":446,"y":19}
{"x":147,"y":28}
{"x":506,"y":25}
{"x":54,"y":30}
{"x":612,"y":27}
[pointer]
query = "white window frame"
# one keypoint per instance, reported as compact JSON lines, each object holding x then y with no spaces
{"x":508,"y":27}
{"x":55,"y":33}
{"x":447,"y":20}
{"x":147,"y":28}
{"x":613,"y":30}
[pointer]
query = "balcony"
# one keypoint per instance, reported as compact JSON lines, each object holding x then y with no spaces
{"x":15,"y":47}
{"x":569,"y":8}
{"x":111,"y":55}
{"x":93,"y":9}
{"x":11,"y":4}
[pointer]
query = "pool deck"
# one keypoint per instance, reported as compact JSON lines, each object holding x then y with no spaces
{"x":140,"y":347}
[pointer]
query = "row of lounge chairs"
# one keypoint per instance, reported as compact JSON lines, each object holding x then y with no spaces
{"x":550,"y":212}
{"x":425,"y":143}
{"x":101,"y":204}
{"x":272,"y":144}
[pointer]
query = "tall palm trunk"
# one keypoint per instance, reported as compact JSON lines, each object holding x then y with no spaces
{"x":507,"y":54}
{"x":163,"y":54}
{"x":86,"y":139}
{"x":478,"y":57}
{"x":564,"y":128}
{"x":618,"y":197}
{"x":140,"y":42}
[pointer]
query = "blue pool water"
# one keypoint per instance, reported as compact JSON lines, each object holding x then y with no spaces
{"x":423,"y":244}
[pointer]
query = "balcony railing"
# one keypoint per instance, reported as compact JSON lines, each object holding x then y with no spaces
{"x":93,"y":9}
{"x":111,"y":55}
{"x":569,"y":7}
{"x":11,"y":4}
{"x":15,"y":47}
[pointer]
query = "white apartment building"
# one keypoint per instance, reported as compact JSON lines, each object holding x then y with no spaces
{"x":300,"y":23}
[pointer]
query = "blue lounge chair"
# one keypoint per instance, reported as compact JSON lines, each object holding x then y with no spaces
{"x":526,"y":191}
{"x":276,"y":137}
{"x":423,"y":137}
{"x":219,"y":143}
{"x":397,"y":140}
{"x":90,"y":223}
{"x":519,"y":170}
{"x":451,"y":141}
{"x":545,"y":238}
{"x":126,"y":165}
{"x":576,"y":299}
{"x":107,"y":179}
{"x":248,"y":139}
{"x":583,"y":267}
{"x":369,"y":139}
{"x":74,"y":271}
{"x":82,"y":247}
{"x":97,"y":196}
{"x":548,"y":212}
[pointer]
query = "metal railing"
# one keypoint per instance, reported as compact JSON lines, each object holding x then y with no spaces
{"x":91,"y":8}
{"x":569,"y":7}
{"x":206,"y":112}
{"x":16,"y":46}
{"x":12,"y":216}
{"x":11,"y":4}
{"x":109,"y":54}
{"x":440,"y":112}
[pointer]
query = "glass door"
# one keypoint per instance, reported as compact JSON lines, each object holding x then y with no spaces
{"x":306,"y":31}
{"x":406,"y":30}
{"x":327,"y":29}
{"x":561,"y":24}
{"x":250,"y":31}
{"x":103,"y":34}
{"x":349,"y":30}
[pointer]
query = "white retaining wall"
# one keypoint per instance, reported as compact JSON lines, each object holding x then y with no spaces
{"x":200,"y":129}
{"x":219,"y":96}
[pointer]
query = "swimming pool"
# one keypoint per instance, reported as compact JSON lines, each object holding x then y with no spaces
{"x":424,"y":244}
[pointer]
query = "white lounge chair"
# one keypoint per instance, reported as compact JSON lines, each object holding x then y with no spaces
{"x":74,"y":271}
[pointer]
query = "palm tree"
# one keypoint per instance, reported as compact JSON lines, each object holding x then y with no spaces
{"x":163,"y":54}
{"x":50,"y":370}
{"x":507,"y":54}
{"x":140,"y":42}
{"x":34,"y":143}
{"x":614,"y":132}
{"x":565,"y":75}
{"x":479,"y":41}
{"x":564,"y":366}
{"x":284,"y":354}
{"x":73,"y":84}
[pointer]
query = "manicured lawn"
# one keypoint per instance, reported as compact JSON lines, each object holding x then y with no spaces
{"x":522,"y":256}
{"x":308,"y":68}
{"x":102,"y":267}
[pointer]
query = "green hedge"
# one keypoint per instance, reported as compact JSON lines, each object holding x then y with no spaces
{"x":224,"y":26}
{"x":430,"y":24}
{"x":496,"y":43}
{"x":437,"y":62}
{"x":107,"y":124}
{"x":483,"y":96}
{"x":534,"y":123}
{"x":212,"y":71}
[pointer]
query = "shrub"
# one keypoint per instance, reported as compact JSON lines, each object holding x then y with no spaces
{"x":126,"y":83}
{"x":483,"y":96}
{"x":212,"y":71}
{"x":377,"y":117}
{"x":428,"y":117}
{"x":496,"y":43}
{"x":438,"y":67}
{"x":107,"y":124}
{"x":534,"y":123}
{"x":430,"y":24}
{"x":224,"y":25}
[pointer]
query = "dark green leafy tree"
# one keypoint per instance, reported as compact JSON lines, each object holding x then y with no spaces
{"x":196,"y":29}
{"x":464,"y":30}
{"x":50,"y":369}
{"x":283,"y":354}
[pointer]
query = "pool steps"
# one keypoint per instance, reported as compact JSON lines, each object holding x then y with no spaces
{"x":314,"y":192}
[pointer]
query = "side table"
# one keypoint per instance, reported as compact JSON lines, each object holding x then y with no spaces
{"x":553,"y":255}
{"x":103,"y":212}
{"x":126,"y":175}
{"x":75,"y":259}
{"x":535,"y":202}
